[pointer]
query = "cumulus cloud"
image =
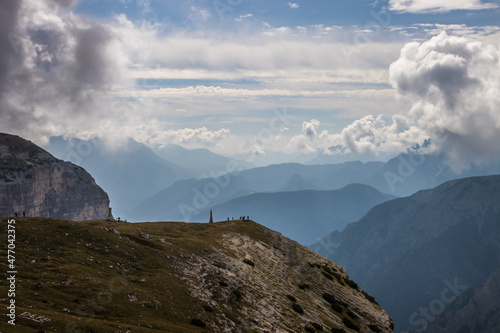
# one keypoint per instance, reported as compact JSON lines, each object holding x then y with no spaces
{"x":432,"y":6}
{"x":293,"y":5}
{"x":369,"y":135}
{"x":374,"y":135}
{"x":309,"y":129}
{"x":54,"y":66}
{"x":308,"y":141}
{"x":62,"y":74}
{"x":453,"y":84}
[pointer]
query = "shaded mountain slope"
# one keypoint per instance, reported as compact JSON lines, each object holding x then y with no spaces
{"x":303,"y":216}
{"x":175,"y":277}
{"x":407,"y":251}
{"x":474,"y":311}
{"x":36,"y":183}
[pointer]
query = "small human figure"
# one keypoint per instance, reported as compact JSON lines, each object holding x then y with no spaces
{"x":248,"y":217}
{"x":228,"y":219}
{"x":24,"y":213}
{"x":15,"y":214}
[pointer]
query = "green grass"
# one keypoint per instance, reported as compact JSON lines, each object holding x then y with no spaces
{"x":85,"y":278}
{"x":106,"y":271}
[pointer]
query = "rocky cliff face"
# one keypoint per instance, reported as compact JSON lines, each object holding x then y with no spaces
{"x":35,"y":182}
{"x":234,"y":277}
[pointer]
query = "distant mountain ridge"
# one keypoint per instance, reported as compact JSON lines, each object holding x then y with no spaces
{"x":304,"y":216}
{"x":202,"y":162}
{"x":407,"y":250}
{"x":129,"y":173}
{"x":410,"y":172}
{"x":35,"y":183}
{"x":146,"y":195}
{"x":185,"y":199}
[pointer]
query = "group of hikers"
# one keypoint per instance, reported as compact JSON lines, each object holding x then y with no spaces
{"x":16,"y":214}
{"x":243,"y":218}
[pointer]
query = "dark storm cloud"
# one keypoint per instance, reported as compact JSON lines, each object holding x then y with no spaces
{"x":9,"y":10}
{"x":53,"y":65}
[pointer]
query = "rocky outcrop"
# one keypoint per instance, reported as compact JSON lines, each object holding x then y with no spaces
{"x":279,"y":286}
{"x":35,"y":183}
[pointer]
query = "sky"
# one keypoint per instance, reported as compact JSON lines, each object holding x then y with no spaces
{"x":352,"y":79}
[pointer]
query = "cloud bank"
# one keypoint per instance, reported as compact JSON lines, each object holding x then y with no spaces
{"x":370,"y":135}
{"x":55,"y":67}
{"x":61,"y":73}
{"x":432,"y":6}
{"x":453,"y":85}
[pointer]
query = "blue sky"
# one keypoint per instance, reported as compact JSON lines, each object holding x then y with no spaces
{"x":371,"y":78}
{"x":280,"y":13}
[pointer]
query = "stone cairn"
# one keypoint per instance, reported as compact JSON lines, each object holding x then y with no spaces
{"x":110,"y":217}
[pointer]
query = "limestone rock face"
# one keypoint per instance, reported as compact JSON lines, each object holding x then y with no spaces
{"x":35,"y":182}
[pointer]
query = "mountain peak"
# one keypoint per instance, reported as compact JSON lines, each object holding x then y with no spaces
{"x":414,"y":247}
{"x":35,"y":183}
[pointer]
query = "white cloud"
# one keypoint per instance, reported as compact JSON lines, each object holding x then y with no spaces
{"x":309,"y":129}
{"x":152,"y":135}
{"x":199,"y":15}
{"x":61,"y":73}
{"x":277,"y":76}
{"x":293,"y":5}
{"x":217,"y":91}
{"x":453,"y":84}
{"x":432,"y":6}
{"x":374,"y":135}
{"x":242,"y":17}
{"x":369,"y":135}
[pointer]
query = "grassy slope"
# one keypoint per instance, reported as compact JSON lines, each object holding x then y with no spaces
{"x":52,"y":251}
{"x":107,"y":271}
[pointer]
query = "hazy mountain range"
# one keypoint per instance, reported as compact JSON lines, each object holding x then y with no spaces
{"x":422,"y":251}
{"x":418,"y":255}
{"x":183,"y":185}
{"x":304,"y":216}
